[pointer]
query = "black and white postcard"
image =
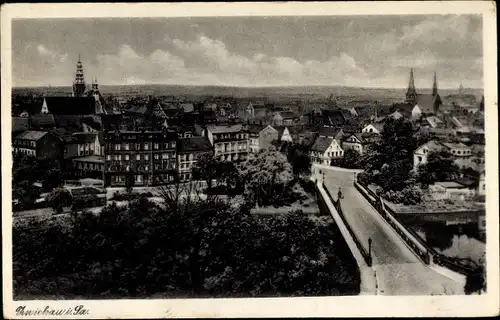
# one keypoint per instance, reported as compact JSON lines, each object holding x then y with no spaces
{"x":249,"y":160}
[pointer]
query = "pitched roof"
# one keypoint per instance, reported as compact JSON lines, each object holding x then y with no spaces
{"x":288,"y":114}
{"x":193,"y":144}
{"x":329,"y":132}
{"x":19,"y":124}
{"x":187,"y":107}
{"x":321,"y":144}
{"x":31,"y":135}
{"x":224,"y":129}
{"x":43,"y":121}
{"x":255,"y":128}
{"x":70,"y":105}
{"x":84,"y":137}
{"x":433,"y":121}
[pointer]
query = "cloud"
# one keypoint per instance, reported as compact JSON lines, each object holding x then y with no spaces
{"x":51,"y":55}
{"x":262,"y":68}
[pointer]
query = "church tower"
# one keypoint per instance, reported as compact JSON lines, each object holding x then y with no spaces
{"x":461,"y":89}
{"x":434,"y":86}
{"x":411,"y":94}
{"x":79,"y":83}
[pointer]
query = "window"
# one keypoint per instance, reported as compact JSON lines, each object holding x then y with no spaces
{"x":459,"y":152}
{"x":146,"y":146}
{"x":146,"y":157}
{"x":419,"y":159}
{"x":138,"y":157}
{"x":128,"y":168}
{"x":157,"y":156}
{"x":108,"y":157}
{"x":146,"y":168}
{"x":156,"y":146}
{"x":119,"y":157}
{"x":172,"y":144}
{"x":117,"y":146}
{"x":127,"y":146}
{"x":164,"y":156}
{"x":137,"y":146}
{"x":127,"y":157}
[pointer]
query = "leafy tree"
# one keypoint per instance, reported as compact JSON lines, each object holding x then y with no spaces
{"x":351,"y":159}
{"x":52,"y":179}
{"x":267,"y":175}
{"x":475,"y":281}
{"x":58,"y":199}
{"x":440,"y":166}
{"x":298,"y":156}
{"x":129,"y":182}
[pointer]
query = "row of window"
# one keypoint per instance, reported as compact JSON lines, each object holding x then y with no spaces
{"x":142,"y":146}
{"x":27,"y":152}
{"x":26,"y":143}
{"x":168,"y":166}
{"x":126,"y":157}
{"x":139,"y":178}
{"x":237,"y":136}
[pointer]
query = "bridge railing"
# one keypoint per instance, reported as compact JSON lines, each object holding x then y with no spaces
{"x":411,"y":238}
{"x":366,"y":255}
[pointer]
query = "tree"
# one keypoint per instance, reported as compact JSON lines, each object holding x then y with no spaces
{"x":351,"y":159}
{"x":58,"y":199}
{"x":267,"y":175}
{"x":51,"y":179}
{"x":475,"y":281}
{"x":298,"y":156}
{"x":440,"y":166}
{"x":129,"y":182}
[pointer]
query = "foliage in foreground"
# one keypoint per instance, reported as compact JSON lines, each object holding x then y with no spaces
{"x":192,"y":248}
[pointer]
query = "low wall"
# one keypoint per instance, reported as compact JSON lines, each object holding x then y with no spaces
{"x":427,"y":254}
{"x":366,"y":255}
{"x":367,"y":273}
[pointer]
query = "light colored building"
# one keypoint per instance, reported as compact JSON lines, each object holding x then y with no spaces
{"x":189,"y":151}
{"x":261,"y":137}
{"x":373,"y":128}
{"x":451,"y":190}
{"x":325,"y":149}
{"x":39,"y":144}
{"x":231,"y":143}
{"x":482,"y":184}
{"x":353,"y":141}
{"x":459,"y":150}
{"x":421,"y":153}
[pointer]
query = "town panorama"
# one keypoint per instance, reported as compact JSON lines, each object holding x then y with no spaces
{"x":128,"y":187}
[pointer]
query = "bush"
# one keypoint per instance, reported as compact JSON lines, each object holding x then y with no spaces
{"x":407,"y":196}
{"x":117,"y":196}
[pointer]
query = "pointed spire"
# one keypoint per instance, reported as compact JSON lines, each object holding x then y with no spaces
{"x":45,"y":109}
{"x":434,"y":86}
{"x":411,"y":94}
{"x":79,"y":83}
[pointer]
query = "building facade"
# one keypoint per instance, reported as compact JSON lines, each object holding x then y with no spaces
{"x":189,"y":151}
{"x":150,"y":156}
{"x":42,"y":145}
{"x":231,"y":143}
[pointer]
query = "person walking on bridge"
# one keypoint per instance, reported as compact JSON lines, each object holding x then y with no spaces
{"x":339,"y":196}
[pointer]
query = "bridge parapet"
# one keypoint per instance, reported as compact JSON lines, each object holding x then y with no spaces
{"x":418,"y":245}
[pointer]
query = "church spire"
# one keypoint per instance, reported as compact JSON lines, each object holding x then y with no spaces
{"x":79,"y":83}
{"x":434,"y":86}
{"x":411,"y":94}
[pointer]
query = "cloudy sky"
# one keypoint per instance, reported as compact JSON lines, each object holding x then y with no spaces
{"x":364,"y":51}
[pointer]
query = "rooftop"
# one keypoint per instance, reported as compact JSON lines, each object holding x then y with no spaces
{"x":321,"y":144}
{"x":93,"y":159}
{"x":194,"y":144}
{"x":450,"y":185}
{"x":31,"y":135}
{"x":225,"y":129}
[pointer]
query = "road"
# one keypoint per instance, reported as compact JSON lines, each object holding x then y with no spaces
{"x":398,"y":270}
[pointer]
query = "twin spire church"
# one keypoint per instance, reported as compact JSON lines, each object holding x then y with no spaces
{"x":412,"y":98}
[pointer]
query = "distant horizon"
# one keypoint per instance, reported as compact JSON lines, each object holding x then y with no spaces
{"x":248,"y":87}
{"x":351,"y":51}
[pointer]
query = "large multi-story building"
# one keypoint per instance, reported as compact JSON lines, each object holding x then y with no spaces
{"x":188,"y":152}
{"x":149,"y":155}
{"x":42,"y":145}
{"x":230,"y":142}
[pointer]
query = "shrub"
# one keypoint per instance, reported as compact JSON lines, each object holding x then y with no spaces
{"x":407,"y":196}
